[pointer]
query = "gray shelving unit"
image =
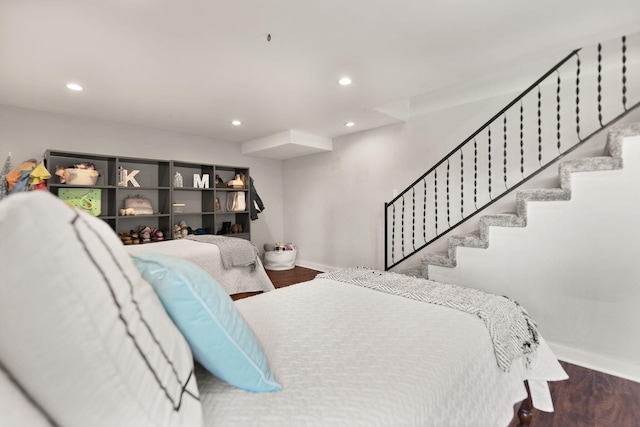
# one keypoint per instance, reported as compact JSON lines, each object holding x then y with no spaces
{"x":155,"y":179}
{"x":243,"y":218}
{"x":198,"y":211}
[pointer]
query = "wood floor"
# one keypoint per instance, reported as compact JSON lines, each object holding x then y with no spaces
{"x":588,"y":399}
{"x":291,"y":277}
{"x":591,"y":398}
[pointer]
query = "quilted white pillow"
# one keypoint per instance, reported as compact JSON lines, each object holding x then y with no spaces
{"x":81,"y":333}
{"x":15,"y":407}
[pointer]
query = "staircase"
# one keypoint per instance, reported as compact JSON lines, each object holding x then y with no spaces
{"x":567,"y":252}
{"x":569,"y":255}
{"x":612,"y":160}
{"x":564,"y":111}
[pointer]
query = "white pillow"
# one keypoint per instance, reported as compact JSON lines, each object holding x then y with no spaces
{"x":80,"y":331}
{"x":15,"y":407}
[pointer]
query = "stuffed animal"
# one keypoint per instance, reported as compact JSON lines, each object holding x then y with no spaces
{"x":127,"y":212}
{"x":184,"y":229}
{"x":177,"y":232}
{"x":60,"y":174}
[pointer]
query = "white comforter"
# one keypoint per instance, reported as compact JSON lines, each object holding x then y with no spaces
{"x":347,"y":356}
{"x":206,"y":255}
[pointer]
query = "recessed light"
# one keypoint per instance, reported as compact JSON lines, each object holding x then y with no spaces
{"x":236,"y":122}
{"x":74,"y":86}
{"x":349,"y":124}
{"x":345,"y":81}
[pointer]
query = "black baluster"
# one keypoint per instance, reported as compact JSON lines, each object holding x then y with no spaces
{"x":475,"y":173}
{"x":624,"y":72}
{"x":448,"y":215}
{"x":435,"y":197}
{"x":424,"y":212}
{"x":521,"y":139}
{"x":539,"y":127}
{"x":413,"y":218}
{"x":558,"y":112}
{"x":504,"y":169}
{"x":489,"y":158}
{"x":461,"y":184}
{"x":402,"y":228}
{"x":393,"y":233}
{"x":600,"y":84}
{"x":578,"y":96}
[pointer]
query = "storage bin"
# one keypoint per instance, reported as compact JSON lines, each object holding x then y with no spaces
{"x":178,"y":208}
{"x":280,"y":260}
{"x":86,"y":199}
{"x":75,"y":176}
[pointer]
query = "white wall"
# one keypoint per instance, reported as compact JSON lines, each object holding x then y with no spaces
{"x":574,"y":267}
{"x":335,"y":201}
{"x":28,"y":133}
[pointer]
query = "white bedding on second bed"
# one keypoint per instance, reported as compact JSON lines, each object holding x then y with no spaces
{"x":234,"y":280}
{"x":347,"y":355}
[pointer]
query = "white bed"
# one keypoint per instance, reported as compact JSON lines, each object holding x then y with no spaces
{"x":235,"y":280}
{"x":346,"y":356}
{"x":92,"y":336}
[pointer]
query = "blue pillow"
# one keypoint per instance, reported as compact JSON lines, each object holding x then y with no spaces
{"x":220,"y":338}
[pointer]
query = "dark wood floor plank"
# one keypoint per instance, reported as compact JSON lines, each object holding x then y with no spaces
{"x":588,"y":399}
{"x":579,"y":401}
{"x":619,"y":384}
{"x":291,"y":277}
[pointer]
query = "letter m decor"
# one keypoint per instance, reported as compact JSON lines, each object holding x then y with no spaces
{"x":201,"y":182}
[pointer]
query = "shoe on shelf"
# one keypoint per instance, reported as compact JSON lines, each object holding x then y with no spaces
{"x":145,"y":233}
{"x":156,"y":235}
{"x":125,"y":238}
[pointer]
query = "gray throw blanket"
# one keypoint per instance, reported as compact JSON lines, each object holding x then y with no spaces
{"x":235,"y":252}
{"x":512,"y":331}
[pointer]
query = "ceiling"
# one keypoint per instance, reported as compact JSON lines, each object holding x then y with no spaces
{"x":196,"y":65}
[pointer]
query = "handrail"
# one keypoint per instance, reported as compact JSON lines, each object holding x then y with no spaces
{"x":397,"y":206}
{"x":484,"y":126}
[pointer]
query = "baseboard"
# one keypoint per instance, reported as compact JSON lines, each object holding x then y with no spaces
{"x":316,"y":266}
{"x":596,"y":362}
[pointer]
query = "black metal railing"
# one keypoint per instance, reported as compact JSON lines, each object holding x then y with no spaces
{"x":555,"y":115}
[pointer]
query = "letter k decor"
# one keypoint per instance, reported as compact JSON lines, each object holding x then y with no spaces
{"x":130,"y":177}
